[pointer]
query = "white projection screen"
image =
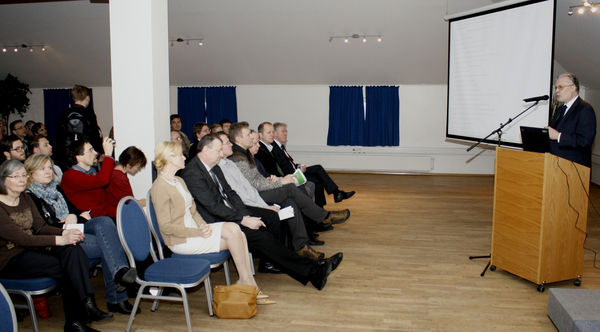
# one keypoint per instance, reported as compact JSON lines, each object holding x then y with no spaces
{"x":497,"y":58}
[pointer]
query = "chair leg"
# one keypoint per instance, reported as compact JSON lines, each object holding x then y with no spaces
{"x":156,"y":301}
{"x":186,"y":308}
{"x":251,"y":263}
{"x":209,"y":298}
{"x":32,"y":312}
{"x":226,"y":270}
{"x":136,"y":304}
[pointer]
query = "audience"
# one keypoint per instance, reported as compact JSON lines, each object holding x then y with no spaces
{"x":201,"y":129}
{"x":251,"y":197}
{"x":215,"y":128}
{"x":315,"y":173}
{"x":225,"y":125}
{"x":40,"y":144}
{"x":176,"y":126}
{"x":12,"y":148}
{"x":101,"y":238}
{"x":17,"y":128}
{"x":82,"y":183}
{"x":28,"y":130}
{"x":39,"y":129}
{"x":2,"y":129}
{"x":76,"y":123}
{"x":131,"y":161}
{"x":182,"y":227}
{"x":22,"y":232}
{"x":216,"y":201}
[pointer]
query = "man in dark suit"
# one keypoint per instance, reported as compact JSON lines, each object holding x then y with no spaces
{"x":315,"y":173}
{"x":573,"y":126}
{"x":267,"y":160}
{"x":216,"y":201}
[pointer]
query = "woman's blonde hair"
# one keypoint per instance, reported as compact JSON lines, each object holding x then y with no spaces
{"x":35,"y":162}
{"x":163,"y":150}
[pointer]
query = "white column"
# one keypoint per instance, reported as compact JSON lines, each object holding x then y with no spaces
{"x":140,"y":79}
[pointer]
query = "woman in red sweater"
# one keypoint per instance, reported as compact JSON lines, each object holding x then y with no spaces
{"x":131,"y":161}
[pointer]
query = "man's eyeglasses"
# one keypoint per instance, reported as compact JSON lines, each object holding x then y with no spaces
{"x":18,"y":148}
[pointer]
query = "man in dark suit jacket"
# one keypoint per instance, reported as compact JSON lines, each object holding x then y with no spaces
{"x":315,"y":173}
{"x":573,"y":126}
{"x":267,"y":159}
{"x":216,"y":201}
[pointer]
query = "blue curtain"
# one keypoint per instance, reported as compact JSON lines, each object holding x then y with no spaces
{"x":191,"y":108}
{"x":221,"y":103}
{"x":346,"y":116}
{"x":383,"y":112}
{"x":57,"y":101}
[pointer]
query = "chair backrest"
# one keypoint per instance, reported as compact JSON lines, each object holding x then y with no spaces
{"x":8,"y":318}
{"x":134,"y":233}
{"x":153,"y":224}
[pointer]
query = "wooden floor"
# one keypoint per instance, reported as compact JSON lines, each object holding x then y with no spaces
{"x":405,"y":268}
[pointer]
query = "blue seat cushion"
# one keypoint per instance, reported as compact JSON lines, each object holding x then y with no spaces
{"x":177,"y":270}
{"x":212,"y":258}
{"x":31,"y":284}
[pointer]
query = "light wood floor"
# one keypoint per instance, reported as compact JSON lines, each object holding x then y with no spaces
{"x":405,"y":268}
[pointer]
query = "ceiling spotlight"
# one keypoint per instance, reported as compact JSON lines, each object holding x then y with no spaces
{"x":200,"y":43}
{"x":4,"y":49}
{"x":43,"y":48}
{"x":586,"y":3}
{"x":594,"y":9}
{"x":31,"y":49}
{"x":379,"y":39}
{"x":346,"y":40}
{"x":570,"y":12}
{"x":16,"y":50}
{"x":580,"y":11}
{"x":364,"y":40}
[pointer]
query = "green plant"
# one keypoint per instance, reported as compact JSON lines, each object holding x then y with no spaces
{"x":13,"y":97}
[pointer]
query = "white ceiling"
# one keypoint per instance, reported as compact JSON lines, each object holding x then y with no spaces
{"x":271,"y":42}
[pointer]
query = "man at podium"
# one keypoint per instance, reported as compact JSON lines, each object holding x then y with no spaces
{"x":573,"y":125}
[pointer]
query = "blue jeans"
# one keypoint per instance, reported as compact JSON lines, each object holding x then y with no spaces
{"x":102,"y":241}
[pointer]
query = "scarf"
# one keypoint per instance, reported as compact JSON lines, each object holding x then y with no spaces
{"x":50,"y":194}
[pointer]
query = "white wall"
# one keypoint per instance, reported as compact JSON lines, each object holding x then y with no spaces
{"x":305,"y":108}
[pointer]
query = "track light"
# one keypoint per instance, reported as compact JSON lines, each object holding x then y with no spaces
{"x":24,"y":47}
{"x":581,"y":9}
{"x":362,"y":37}
{"x":180,"y":41}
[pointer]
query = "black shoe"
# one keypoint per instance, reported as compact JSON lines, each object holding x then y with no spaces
{"x":268,"y":267}
{"x":342,"y":195}
{"x":319,"y":273}
{"x":122,"y":307}
{"x":323,"y":228}
{"x":316,"y":242}
{"x":335,"y":260}
{"x":125,"y":276}
{"x":78,"y":327}
{"x":93,"y":313}
{"x":313,"y":236}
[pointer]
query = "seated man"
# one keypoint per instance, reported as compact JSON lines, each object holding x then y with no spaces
{"x":18,"y":129}
{"x":12,"y":148}
{"x":176,"y":126}
{"x":216,"y":201}
{"x":315,"y":173}
{"x":251,"y":197}
{"x":41,"y":145}
{"x":82,"y":184}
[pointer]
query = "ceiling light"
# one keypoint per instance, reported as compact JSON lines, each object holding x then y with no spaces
{"x":16,"y":50}
{"x":362,"y":37}
{"x":4,"y":49}
{"x":379,"y":39}
{"x":580,"y":9}
{"x":24,"y":47}
{"x":364,"y":40}
{"x":594,"y":9}
{"x":180,"y":41}
{"x":346,"y":40}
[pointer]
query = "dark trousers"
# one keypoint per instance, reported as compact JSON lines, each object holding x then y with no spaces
{"x":318,"y":175}
{"x":271,"y":220}
{"x":68,"y":264}
{"x":261,"y":242}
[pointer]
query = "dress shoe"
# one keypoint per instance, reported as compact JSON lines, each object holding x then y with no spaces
{"x":268,"y":267}
{"x":335,"y":260}
{"x":337,"y":217}
{"x":316,"y":242}
{"x":78,"y":327}
{"x":342,"y":195}
{"x":308,"y":251}
{"x":93,"y":313}
{"x":122,"y":307}
{"x":125,"y":276}
{"x":321,"y":227}
{"x":312,"y":235}
{"x":319,"y":273}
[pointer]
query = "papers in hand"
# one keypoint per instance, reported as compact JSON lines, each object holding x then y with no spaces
{"x":75,"y":226}
{"x":286,"y":213}
{"x":299,"y":178}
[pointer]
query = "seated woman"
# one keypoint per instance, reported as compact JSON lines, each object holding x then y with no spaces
{"x":30,"y":249}
{"x":182,"y":227}
{"x":101,"y":237}
{"x":131,"y":161}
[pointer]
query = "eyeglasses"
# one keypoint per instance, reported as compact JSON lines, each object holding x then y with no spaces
{"x":19,"y":176}
{"x":560,"y":87}
{"x":18,"y":148}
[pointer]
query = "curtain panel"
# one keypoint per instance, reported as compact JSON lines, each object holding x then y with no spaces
{"x":346,"y":116}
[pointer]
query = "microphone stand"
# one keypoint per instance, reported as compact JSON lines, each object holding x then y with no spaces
{"x":499,"y":132}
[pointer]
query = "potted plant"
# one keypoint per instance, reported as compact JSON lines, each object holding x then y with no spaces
{"x":13,"y":97}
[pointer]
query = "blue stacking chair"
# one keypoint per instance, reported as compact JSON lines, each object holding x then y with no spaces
{"x":134,"y":233}
{"x":8,"y":318}
{"x":216,"y":259}
{"x":28,"y":288}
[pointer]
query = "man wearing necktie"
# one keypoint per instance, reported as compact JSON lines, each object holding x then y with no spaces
{"x":573,"y":126}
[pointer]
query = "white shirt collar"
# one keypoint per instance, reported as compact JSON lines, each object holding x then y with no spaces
{"x":269,"y":146}
{"x":277,"y":142}
{"x":570,"y":103}
{"x":208,"y":168}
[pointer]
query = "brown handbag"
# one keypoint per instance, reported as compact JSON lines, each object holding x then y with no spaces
{"x":235,"y":301}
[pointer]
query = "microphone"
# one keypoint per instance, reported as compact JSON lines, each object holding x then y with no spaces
{"x":538,"y":98}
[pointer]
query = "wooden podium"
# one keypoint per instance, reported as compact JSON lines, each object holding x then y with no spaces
{"x":540,"y":216}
